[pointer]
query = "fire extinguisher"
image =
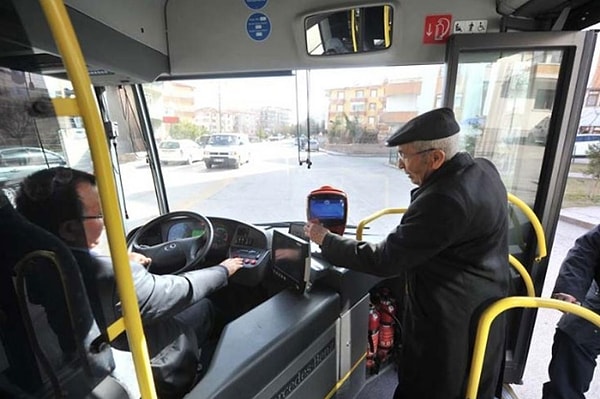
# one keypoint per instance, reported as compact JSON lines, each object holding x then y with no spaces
{"x":387,"y":312}
{"x":374,"y":323}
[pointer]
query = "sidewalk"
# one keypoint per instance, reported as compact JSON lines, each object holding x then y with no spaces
{"x":586,"y":217}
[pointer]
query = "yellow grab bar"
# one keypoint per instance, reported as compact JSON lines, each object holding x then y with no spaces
{"x":488,"y":316}
{"x":537,"y":226}
{"x":524,"y":274}
{"x":68,"y":46}
{"x":361,"y":225}
{"x":535,"y":222}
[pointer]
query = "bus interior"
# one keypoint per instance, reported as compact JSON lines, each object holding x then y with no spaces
{"x":344,"y":73}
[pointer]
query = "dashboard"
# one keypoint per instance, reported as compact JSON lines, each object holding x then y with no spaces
{"x":232,"y":238}
{"x":227,"y":232}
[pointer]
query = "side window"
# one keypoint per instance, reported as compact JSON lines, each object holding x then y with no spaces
{"x":36,"y":158}
{"x":53,"y":158}
{"x":17,"y":157}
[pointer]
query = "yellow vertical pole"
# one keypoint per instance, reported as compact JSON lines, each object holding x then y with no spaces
{"x":68,"y":46}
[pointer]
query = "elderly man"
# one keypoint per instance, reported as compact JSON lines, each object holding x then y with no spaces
{"x":451,"y":252}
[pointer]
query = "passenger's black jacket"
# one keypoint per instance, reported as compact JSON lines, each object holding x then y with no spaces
{"x":451,"y":248}
{"x":579,"y":276}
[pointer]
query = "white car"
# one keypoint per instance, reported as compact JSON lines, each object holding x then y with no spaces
{"x":227,"y":149}
{"x":179,"y":151}
{"x":18,"y":162}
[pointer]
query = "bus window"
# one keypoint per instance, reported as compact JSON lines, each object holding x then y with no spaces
{"x":501,"y":116}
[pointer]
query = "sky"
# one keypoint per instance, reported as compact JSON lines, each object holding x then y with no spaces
{"x":242,"y":93}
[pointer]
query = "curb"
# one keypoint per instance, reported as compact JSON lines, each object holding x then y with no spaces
{"x":576,"y":222}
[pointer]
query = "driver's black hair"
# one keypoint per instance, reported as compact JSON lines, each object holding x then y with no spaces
{"x":49,"y":197}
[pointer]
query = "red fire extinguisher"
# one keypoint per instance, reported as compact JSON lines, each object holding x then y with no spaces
{"x":382,"y":320}
{"x":372,"y":364}
{"x":387,"y":312}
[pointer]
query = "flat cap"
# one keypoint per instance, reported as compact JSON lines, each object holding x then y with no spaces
{"x":431,"y":125}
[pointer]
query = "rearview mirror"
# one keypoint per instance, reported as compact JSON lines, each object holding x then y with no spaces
{"x":353,"y":30}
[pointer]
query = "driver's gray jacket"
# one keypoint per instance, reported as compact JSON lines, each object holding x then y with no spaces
{"x":160,"y":297}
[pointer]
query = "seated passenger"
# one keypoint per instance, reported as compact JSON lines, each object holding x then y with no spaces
{"x":176,"y":314}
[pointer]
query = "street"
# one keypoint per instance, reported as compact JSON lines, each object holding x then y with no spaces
{"x":271,"y":187}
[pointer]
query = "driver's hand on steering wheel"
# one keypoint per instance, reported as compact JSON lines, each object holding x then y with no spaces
{"x":139,"y":258}
{"x":232,"y":265}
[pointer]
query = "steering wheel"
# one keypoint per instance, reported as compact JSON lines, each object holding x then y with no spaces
{"x":174,"y":256}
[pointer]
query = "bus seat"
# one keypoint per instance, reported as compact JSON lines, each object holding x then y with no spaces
{"x":50,"y":344}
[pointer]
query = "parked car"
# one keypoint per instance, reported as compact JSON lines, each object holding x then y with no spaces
{"x":179,"y":151}
{"x":313,"y":145}
{"x":227,"y":149}
{"x":583,"y":143}
{"x":539,"y":133}
{"x":19,"y":162}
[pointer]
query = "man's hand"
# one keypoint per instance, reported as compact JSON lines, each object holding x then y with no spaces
{"x":565,"y":297}
{"x":232,"y":265}
{"x":139,"y":258}
{"x":315,"y":231}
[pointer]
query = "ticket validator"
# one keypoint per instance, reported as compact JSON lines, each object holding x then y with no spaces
{"x":330,"y":206}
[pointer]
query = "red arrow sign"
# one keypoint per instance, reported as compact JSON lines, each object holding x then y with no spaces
{"x":437,"y":28}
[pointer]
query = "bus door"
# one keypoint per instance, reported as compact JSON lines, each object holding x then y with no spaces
{"x":518,"y":98}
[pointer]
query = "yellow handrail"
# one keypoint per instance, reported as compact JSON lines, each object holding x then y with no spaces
{"x":524,"y":274}
{"x":488,"y":316}
{"x":361,"y":225}
{"x":537,"y":226}
{"x":68,"y":46}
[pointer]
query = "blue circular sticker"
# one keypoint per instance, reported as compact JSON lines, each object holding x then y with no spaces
{"x":258,"y":26}
{"x":255,"y":4}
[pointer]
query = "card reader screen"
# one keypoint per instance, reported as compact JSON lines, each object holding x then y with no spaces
{"x":324,"y":208}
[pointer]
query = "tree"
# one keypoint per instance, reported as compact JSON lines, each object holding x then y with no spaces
{"x":353,"y":128}
{"x":593,"y":167}
{"x":16,"y":123}
{"x":187,"y":130}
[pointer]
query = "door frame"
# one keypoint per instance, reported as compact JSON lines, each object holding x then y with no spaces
{"x":578,"y":50}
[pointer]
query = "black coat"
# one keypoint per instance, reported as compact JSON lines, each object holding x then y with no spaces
{"x":451,"y":248}
{"x":579,"y":276}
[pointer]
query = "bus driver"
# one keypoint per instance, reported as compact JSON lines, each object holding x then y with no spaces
{"x":176,"y":314}
{"x":451,"y":251}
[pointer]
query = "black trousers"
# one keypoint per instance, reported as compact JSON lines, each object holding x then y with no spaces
{"x":572,"y":366}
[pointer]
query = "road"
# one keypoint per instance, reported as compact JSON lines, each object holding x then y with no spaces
{"x":272,"y":187}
